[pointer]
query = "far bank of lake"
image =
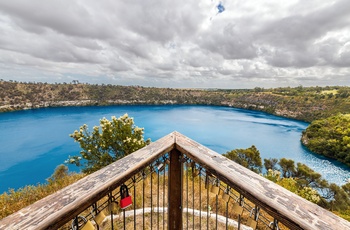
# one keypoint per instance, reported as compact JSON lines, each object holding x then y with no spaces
{"x":34,"y":142}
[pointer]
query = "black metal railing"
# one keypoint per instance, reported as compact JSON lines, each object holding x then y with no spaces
{"x":174,"y":183}
{"x":208,"y":203}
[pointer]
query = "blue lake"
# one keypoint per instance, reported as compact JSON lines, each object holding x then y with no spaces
{"x":34,"y":142}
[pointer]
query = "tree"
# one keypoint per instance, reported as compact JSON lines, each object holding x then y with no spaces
{"x":346,"y":188}
{"x":107,"y":143}
{"x":249,"y":158}
{"x":270,"y":163}
{"x":330,"y":137}
{"x":337,"y":198}
{"x":60,"y":172}
{"x":287,"y":167}
{"x":307,"y":177}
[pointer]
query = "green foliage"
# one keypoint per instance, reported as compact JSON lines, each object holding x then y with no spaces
{"x":288,"y":183}
{"x":337,"y":198}
{"x":14,"y":200}
{"x":346,"y":188}
{"x":300,"y":180}
{"x":273,"y":175}
{"x":309,"y":194}
{"x":330,"y":137}
{"x":287,"y":167}
{"x":270,"y":163}
{"x":107,"y":143}
{"x":308,"y":177}
{"x":249,"y":158}
{"x":303,"y":103}
{"x":295,"y":184}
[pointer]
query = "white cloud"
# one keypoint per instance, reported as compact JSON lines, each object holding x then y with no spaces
{"x":176,"y":43}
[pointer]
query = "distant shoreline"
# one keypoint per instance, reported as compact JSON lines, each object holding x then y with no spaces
{"x":300,"y":103}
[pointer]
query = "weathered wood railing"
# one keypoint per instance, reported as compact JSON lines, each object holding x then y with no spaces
{"x":178,"y":160}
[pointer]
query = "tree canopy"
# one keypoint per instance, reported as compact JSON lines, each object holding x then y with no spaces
{"x":299,"y":179}
{"x":108,"y":142}
{"x":330,"y":137}
{"x":249,"y":158}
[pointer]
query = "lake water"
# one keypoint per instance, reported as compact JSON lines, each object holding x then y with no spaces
{"x":34,"y":142}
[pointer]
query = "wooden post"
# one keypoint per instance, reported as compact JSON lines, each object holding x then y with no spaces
{"x":175,"y":191}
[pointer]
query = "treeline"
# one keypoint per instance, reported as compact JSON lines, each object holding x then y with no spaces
{"x":297,"y":178}
{"x":330,"y":137}
{"x":302,"y":103}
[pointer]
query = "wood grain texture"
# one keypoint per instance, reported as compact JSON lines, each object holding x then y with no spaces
{"x":61,"y":207}
{"x":290,"y":209}
{"x":175,"y":191}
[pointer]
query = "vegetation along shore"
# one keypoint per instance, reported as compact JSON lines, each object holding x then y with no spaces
{"x":302,"y":103}
{"x":325,"y":107}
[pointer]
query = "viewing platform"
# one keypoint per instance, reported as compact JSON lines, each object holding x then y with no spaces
{"x":174,"y":183}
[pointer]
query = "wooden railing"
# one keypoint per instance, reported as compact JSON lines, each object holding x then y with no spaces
{"x":242,"y":198}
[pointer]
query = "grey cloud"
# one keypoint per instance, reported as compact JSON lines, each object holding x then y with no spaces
{"x":230,"y":40}
{"x":52,"y":48}
{"x":197,"y":57}
{"x":298,"y":29}
{"x":174,"y":43}
{"x":287,"y":58}
{"x":162,"y":20}
{"x":291,"y":40}
{"x":72,"y":18}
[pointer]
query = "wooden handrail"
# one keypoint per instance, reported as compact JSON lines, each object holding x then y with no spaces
{"x":60,"y":207}
{"x":290,"y":209}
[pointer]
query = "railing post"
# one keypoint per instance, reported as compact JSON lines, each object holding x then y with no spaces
{"x":175,"y":191}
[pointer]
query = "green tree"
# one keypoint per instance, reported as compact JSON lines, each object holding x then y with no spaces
{"x":287,"y":167}
{"x":307,"y":177}
{"x":337,"y":198}
{"x":107,"y":143}
{"x":346,"y":188}
{"x":271,"y":163}
{"x":310,"y":194}
{"x":249,"y":158}
{"x":330,"y":137}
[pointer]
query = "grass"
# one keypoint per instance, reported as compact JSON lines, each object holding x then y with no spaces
{"x":334,"y":91}
{"x":14,"y":200}
{"x":195,"y":197}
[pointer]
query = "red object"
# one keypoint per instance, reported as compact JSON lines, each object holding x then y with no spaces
{"x":125,"y":200}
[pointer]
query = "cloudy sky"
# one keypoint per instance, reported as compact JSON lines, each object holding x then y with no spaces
{"x":182,"y":43}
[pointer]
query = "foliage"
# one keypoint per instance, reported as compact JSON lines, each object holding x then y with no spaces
{"x":249,"y":158}
{"x":287,"y":167}
{"x":308,"y":177}
{"x":273,"y":175}
{"x":337,"y":198}
{"x":303,"y":103}
{"x":14,"y":200}
{"x":309,"y":194}
{"x":60,"y":172}
{"x":107,"y":143}
{"x":330,"y":137}
{"x":299,"y":179}
{"x":294,"y":185}
{"x":270,"y":163}
{"x":288,"y":183}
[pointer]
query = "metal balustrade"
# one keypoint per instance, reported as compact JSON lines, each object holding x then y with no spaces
{"x":174,"y":183}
